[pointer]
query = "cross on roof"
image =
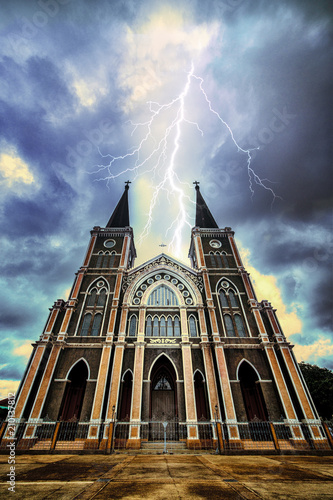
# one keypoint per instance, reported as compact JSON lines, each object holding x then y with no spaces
{"x":128,"y":182}
{"x":196,"y":183}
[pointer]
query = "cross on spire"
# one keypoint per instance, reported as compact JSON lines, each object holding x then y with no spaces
{"x":196,"y":183}
{"x":127,"y":183}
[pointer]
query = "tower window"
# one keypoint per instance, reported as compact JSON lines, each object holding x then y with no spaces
{"x":92,"y":298}
{"x":218,"y":258}
{"x":86,"y":324}
{"x":223,"y":299}
{"x":233,"y":300}
{"x":101,"y":298}
{"x":212,"y":259}
{"x":96,"y":325}
{"x":225,"y":260}
{"x":239,"y":325}
{"x":229,"y":326}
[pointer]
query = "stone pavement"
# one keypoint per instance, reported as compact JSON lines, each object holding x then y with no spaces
{"x":213,"y":477}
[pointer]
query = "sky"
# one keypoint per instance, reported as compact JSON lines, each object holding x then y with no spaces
{"x":235,"y":94}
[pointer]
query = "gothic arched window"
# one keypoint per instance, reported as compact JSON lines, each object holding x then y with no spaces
{"x":212,"y":259}
{"x":92,"y":298}
{"x":99,"y":259}
{"x":101,"y":298}
{"x":155,"y":327}
{"x":229,"y":326}
{"x":223,"y":299}
{"x":177,"y":326}
{"x":192,"y":327}
{"x":132,"y":326}
{"x":169,"y":327}
{"x":149,"y":327}
{"x":162,"y":296}
{"x":96,"y":325}
{"x":112,"y":258}
{"x":85,"y":325}
{"x":233,"y":300}
{"x":225,"y":260}
{"x":239,"y":325}
{"x":162,"y":327}
{"x":218,"y":258}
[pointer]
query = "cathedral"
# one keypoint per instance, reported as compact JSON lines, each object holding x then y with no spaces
{"x":163,"y":342}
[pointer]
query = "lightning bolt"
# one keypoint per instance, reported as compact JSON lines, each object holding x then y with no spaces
{"x":160,"y":162}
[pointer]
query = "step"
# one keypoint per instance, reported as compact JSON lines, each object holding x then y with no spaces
{"x":179,"y":445}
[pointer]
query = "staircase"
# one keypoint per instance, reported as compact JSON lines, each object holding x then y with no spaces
{"x":153,"y":447}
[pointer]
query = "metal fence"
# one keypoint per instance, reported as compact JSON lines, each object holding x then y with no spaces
{"x":170,"y":437}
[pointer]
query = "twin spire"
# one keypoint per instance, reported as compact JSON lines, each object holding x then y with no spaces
{"x":203,"y":216}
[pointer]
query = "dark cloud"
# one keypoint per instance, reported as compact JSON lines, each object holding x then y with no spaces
{"x":269,"y":75}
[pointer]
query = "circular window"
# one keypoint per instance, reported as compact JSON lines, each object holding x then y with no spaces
{"x":186,"y":294}
{"x":225,"y":284}
{"x":158,"y":277}
{"x":180,"y":286}
{"x":100,"y":283}
{"x":174,"y":281}
{"x":139,"y":293}
{"x":109,"y":243}
{"x":144,"y":286}
{"x":215,"y":243}
{"x":150,"y":281}
{"x":188,"y":301}
{"x":136,"y":301}
{"x":166,"y":277}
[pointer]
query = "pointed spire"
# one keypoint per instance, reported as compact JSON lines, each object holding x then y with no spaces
{"x":120,"y":216}
{"x":203,"y":216}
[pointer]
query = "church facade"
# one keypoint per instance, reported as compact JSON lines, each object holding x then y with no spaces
{"x":163,"y":342}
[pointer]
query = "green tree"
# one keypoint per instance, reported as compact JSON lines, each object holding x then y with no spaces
{"x":320,"y":384}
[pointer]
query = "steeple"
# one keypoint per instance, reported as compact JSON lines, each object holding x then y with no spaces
{"x":203,"y":216}
{"x":120,"y":216}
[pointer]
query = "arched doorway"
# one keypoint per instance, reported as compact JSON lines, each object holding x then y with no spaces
{"x":74,"y":393}
{"x":200,"y":396}
{"x":126,"y":396}
{"x":254,"y":403}
{"x":163,"y":391}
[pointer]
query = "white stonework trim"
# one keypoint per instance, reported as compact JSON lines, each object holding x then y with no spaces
{"x":276,"y":384}
{"x":123,"y":377}
{"x":111,"y":379}
{"x":32,"y":383}
{"x":197,"y":370}
{"x":246,"y":361}
{"x":173,"y":364}
{"x":141,"y":347}
{"x":76,"y":362}
{"x":283,"y":349}
{"x":48,"y":385}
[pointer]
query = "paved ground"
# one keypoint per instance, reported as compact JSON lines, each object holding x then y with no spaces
{"x":213,"y":477}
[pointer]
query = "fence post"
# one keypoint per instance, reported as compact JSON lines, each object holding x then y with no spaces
{"x":219,"y":437}
{"x":275,"y":439}
{"x":2,"y":429}
{"x":109,"y":443}
{"x":110,"y":438}
{"x":55,"y":436}
{"x":328,"y":434}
